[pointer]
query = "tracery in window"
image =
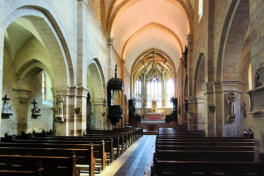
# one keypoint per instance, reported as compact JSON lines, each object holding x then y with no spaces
{"x":154,"y":91}
{"x":138,"y":93}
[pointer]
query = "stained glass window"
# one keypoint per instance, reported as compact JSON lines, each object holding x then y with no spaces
{"x":138,"y":90}
{"x":154,"y":89}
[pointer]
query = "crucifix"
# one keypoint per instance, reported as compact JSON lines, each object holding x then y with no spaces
{"x":6,"y":107}
{"x":34,"y":103}
{"x":5,"y":99}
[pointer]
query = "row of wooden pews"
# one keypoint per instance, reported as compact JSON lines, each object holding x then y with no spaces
{"x":73,"y":155}
{"x":182,"y":152}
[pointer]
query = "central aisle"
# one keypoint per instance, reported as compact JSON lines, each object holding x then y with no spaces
{"x":135,"y":161}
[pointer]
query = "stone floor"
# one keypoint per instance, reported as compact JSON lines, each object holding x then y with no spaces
{"x":135,"y":161}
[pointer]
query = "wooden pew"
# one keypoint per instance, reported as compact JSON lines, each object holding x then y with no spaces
{"x":118,"y":141}
{"x":205,"y":147}
{"x":52,"y":165}
{"x":179,"y":152}
{"x":209,"y":155}
{"x":83,"y":156}
{"x":108,"y":144}
{"x":206,"y":143}
{"x":84,"y":152}
{"x":12,"y":172}
{"x":206,"y":168}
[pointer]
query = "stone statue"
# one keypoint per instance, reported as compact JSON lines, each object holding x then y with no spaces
{"x":243,"y":109}
{"x":59,"y":105}
{"x":230,"y":100}
{"x":231,"y":97}
{"x":35,"y":110}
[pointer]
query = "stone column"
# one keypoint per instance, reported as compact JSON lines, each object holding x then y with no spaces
{"x":181,"y":93}
{"x":22,"y":109}
{"x":192,"y":111}
{"x":98,"y":114}
{"x":1,"y":53}
{"x":209,"y":109}
{"x":218,"y":109}
{"x":109,"y":68}
{"x":110,"y":53}
{"x":189,"y":70}
{"x":61,"y":126}
{"x":80,"y":110}
{"x":192,"y":104}
{"x":71,"y":112}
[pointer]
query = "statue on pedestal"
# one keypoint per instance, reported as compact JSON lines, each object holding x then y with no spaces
{"x":231,"y":97}
{"x":6,"y":107}
{"x":59,"y":108}
{"x":35,"y":110}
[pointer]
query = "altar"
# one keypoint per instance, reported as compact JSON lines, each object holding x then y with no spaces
{"x":154,"y":116}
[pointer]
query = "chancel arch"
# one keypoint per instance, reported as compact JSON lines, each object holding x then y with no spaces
{"x":153,"y":83}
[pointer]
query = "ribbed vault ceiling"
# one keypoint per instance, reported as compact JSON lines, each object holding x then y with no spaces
{"x":138,"y":25}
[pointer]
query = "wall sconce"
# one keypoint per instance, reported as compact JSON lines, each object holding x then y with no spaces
{"x":77,"y":110}
{"x":211,"y":108}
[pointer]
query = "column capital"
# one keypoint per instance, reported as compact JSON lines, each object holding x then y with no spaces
{"x":237,"y":86}
{"x":110,"y":41}
{"x":60,"y":90}
{"x":182,"y":60}
{"x":23,"y":95}
{"x":208,"y":88}
{"x":190,"y":38}
{"x":123,"y":61}
{"x":82,"y":92}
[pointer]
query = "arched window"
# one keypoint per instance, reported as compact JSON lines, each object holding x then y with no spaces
{"x":43,"y":86}
{"x":200,"y":10}
{"x":154,"y":91}
{"x":169,"y":92}
{"x":138,"y":89}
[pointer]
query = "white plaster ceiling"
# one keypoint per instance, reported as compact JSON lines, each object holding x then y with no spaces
{"x":138,"y":25}
{"x":18,"y":34}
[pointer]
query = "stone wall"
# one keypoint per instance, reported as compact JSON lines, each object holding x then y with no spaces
{"x":257,"y":61}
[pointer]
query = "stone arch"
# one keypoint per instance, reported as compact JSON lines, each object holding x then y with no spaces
{"x":199,"y":77}
{"x":49,"y":32}
{"x":52,"y":37}
{"x":155,"y":25}
{"x":27,"y":67}
{"x":197,"y":119}
{"x":233,"y":35}
{"x":233,"y":56}
{"x":96,"y":88}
